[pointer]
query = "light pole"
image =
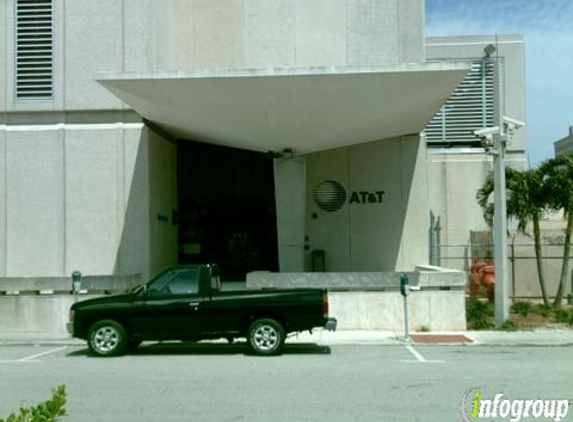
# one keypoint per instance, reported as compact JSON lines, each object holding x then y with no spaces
{"x":494,"y":140}
{"x":500,"y":218}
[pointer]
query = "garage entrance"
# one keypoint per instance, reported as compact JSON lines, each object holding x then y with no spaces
{"x":226,"y":209}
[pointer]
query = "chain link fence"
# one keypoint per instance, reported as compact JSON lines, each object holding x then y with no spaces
{"x":522,"y":266}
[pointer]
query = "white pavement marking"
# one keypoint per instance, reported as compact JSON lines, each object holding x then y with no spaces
{"x":416,"y":354}
{"x":419,"y":357}
{"x":29,"y":358}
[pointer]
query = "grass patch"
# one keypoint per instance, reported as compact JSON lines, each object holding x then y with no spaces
{"x":509,"y":326}
{"x":544,"y":310}
{"x":522,"y":308}
{"x":564,"y":316}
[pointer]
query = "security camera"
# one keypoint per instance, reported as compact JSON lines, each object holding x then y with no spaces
{"x":486,"y":132}
{"x":486,"y":136}
{"x":512,"y":124}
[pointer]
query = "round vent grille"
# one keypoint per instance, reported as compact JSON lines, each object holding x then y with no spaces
{"x":330,"y":196}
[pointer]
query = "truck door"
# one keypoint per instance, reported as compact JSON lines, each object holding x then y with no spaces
{"x":173,"y":307}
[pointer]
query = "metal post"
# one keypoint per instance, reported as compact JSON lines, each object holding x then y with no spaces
{"x":406,"y":320}
{"x":500,"y":215}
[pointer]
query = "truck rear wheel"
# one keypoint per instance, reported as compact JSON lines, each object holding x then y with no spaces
{"x":266,"y":336}
{"x":107,"y":338}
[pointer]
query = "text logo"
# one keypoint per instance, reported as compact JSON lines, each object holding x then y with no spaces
{"x":365,"y":197}
{"x":475,"y":406}
{"x":330,"y":196}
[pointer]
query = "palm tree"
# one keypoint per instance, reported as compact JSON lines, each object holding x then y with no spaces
{"x":525,"y":202}
{"x":558,"y":182}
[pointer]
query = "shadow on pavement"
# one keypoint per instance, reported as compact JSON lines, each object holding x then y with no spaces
{"x":186,"y":348}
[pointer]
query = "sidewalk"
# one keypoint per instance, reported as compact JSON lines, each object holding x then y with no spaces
{"x":542,"y":337}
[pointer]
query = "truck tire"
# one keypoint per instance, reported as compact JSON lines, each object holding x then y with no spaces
{"x":107,"y":338}
{"x":266,"y":337}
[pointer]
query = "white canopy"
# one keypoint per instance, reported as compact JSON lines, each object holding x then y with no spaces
{"x":307,"y":110}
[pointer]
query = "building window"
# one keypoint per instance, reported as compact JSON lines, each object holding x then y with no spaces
{"x":469,"y":108}
{"x":34,"y":49}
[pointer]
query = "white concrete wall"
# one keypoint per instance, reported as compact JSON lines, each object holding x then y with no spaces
{"x":170,"y":35}
{"x":74,"y":197}
{"x":3,"y":53}
{"x":387,"y":236}
{"x":3,"y":203}
{"x":290,"y":197}
{"x":35,"y":313}
{"x":162,"y":202}
{"x":433,"y":310}
{"x":281,"y":33}
{"x":89,"y":37}
{"x":35,"y":202}
{"x":372,"y":300}
{"x":453,"y":181}
{"x":93,"y":42}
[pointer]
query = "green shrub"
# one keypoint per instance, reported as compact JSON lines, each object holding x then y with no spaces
{"x":564,"y":316}
{"x":544,"y":310}
{"x":48,"y":411}
{"x":479,"y":314}
{"x":508,"y":326}
{"x":522,"y":308}
{"x":424,"y":329}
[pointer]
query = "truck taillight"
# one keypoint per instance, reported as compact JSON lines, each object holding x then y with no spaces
{"x":325,"y":304}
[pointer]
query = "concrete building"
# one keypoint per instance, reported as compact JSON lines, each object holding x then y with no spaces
{"x":457,"y":162}
{"x":565,"y":145}
{"x":139,"y":134}
{"x":259,"y":134}
{"x":273,"y":135}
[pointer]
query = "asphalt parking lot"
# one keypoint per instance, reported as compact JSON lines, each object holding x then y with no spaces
{"x":310,"y":382}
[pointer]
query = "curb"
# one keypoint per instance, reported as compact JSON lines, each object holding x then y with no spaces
{"x":348,"y":338}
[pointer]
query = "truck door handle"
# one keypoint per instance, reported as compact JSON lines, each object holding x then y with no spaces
{"x":194,"y":305}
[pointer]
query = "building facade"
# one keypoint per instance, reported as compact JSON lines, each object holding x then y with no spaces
{"x":564,"y":145}
{"x":260,"y":134}
{"x":457,"y":162}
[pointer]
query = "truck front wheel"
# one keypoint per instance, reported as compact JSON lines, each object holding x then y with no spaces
{"x":107,"y":338}
{"x":266,"y":336}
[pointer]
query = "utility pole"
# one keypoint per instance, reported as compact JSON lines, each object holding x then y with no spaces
{"x":500,"y":208}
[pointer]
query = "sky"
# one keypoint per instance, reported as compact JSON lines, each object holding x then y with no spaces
{"x":547,"y":26}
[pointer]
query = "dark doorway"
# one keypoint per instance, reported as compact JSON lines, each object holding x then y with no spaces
{"x":226,"y":209}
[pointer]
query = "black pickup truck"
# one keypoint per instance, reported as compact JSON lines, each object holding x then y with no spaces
{"x":187,"y":304}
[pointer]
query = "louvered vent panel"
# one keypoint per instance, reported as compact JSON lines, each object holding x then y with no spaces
{"x":34,"y":49}
{"x":469,"y":108}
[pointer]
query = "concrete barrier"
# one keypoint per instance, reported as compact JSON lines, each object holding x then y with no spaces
{"x":360,"y":301}
{"x":63,"y":285}
{"x":372,"y":300}
{"x":42,"y":304}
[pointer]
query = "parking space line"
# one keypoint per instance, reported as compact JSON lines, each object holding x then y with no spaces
{"x":31,"y":358}
{"x":416,"y":354}
{"x":419,"y":357}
